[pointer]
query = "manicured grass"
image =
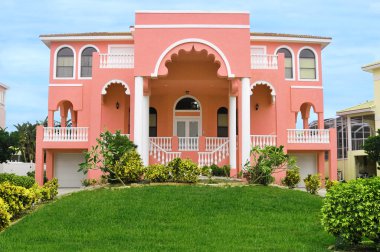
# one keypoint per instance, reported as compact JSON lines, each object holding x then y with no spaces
{"x":174,"y":218}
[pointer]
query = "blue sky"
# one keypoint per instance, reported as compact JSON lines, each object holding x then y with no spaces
{"x":24,"y":59}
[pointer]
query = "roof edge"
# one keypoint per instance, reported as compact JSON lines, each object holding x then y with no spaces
{"x":370,"y":67}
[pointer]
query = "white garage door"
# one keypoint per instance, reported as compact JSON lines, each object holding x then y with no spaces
{"x":307,"y":162}
{"x":66,"y":169}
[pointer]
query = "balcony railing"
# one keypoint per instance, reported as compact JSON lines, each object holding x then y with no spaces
{"x":308,"y":136}
{"x":263,"y":140}
{"x":116,"y":60}
{"x":65,"y":134}
{"x":164,"y":143}
{"x":188,"y":143}
{"x":264,"y":61}
{"x":213,"y":143}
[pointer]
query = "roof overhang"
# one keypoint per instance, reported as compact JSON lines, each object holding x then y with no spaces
{"x":295,"y":39}
{"x":357,"y":111}
{"x":4,"y":86}
{"x":371,"y":67}
{"x":47,"y":39}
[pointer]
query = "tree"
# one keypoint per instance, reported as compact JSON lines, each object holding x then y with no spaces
{"x":372,"y":148}
{"x":266,"y":161}
{"x":27,"y":140}
{"x":7,"y":141}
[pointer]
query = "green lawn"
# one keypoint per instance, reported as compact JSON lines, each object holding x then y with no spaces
{"x":174,"y":218}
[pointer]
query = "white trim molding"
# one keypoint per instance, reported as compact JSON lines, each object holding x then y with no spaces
{"x":191,"y":11}
{"x":125,"y":85}
{"x":80,"y":60}
{"x":48,"y":40}
{"x":316,"y":64}
{"x":55,"y":63}
{"x":322,"y":41}
{"x":191,"y":26}
{"x":293,"y":60}
{"x":307,"y":87}
{"x":65,"y":85}
{"x":265,"y":83}
{"x":192,"y":40}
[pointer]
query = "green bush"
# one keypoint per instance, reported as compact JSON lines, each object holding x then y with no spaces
{"x":89,"y":182}
{"x":205,"y":171}
{"x":32,"y":174}
{"x":184,"y":170}
{"x":312,"y":183}
{"x":330,"y":183}
{"x":157,"y":173}
{"x":5,"y":217}
{"x":292,"y":177}
{"x":223,"y":171}
{"x":351,"y":211}
{"x":18,"y":198}
{"x":24,"y":181}
{"x":129,"y":168}
{"x":49,"y":190}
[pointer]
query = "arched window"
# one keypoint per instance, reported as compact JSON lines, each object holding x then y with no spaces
{"x":187,"y":103}
{"x":222,"y":122}
{"x":65,"y":63}
{"x":288,"y":62}
{"x":86,"y":62}
{"x":152,"y":122}
{"x":307,"y":65}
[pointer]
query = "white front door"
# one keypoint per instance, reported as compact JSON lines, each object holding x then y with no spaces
{"x":187,"y":127}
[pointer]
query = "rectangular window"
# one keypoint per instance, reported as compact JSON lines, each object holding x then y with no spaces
{"x":288,"y":68}
{"x":307,"y":68}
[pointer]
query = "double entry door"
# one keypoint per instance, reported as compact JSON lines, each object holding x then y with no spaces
{"x":187,"y":130}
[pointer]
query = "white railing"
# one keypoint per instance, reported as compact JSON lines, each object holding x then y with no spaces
{"x":214,"y":157}
{"x":263,"y":140}
{"x":264,"y":61}
{"x":65,"y":134}
{"x":213,"y":143}
{"x":116,"y":60}
{"x":160,"y":154}
{"x":165,"y":143}
{"x":188,"y":143}
{"x":308,"y":136}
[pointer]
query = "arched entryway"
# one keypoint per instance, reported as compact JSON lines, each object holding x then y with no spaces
{"x":116,"y":107}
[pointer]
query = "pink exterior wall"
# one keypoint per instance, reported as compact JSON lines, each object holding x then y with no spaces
{"x":208,"y":80}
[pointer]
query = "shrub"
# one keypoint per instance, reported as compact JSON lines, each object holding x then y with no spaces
{"x":49,"y":190}
{"x":220,"y":171}
{"x":32,"y":174}
{"x":89,"y":182}
{"x":266,"y":161}
{"x":351,"y":211}
{"x":24,"y":181}
{"x":5,"y":217}
{"x":184,"y":170}
{"x":157,"y":173}
{"x":292,"y":177}
{"x":206,"y":171}
{"x":18,"y":198}
{"x":312,"y":183}
{"x":129,"y":168}
{"x":330,"y":183}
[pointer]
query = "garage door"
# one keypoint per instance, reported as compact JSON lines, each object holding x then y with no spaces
{"x":307,"y":162}
{"x":66,"y":167}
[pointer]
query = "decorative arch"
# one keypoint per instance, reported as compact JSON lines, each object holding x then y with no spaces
{"x":80,"y":58}
{"x":198,"y":45}
{"x":187,"y":96}
{"x":293,"y":58}
{"x":55,"y":61}
{"x":316,"y":63}
{"x":265,"y":83}
{"x":125,"y":85}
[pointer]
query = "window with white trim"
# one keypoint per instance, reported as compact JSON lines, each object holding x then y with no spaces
{"x":65,"y":63}
{"x":222,"y":121}
{"x":86,"y":62}
{"x":288,"y":62}
{"x":307,"y":64}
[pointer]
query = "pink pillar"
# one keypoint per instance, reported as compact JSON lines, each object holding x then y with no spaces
{"x":63,"y":121}
{"x":333,"y":156}
{"x":39,"y":175}
{"x":305,"y":123}
{"x":51,"y":118}
{"x":49,"y":164}
{"x":174,"y":143}
{"x":321,"y":166}
{"x":321,"y":122}
{"x":202,"y":143}
{"x":74,"y":118}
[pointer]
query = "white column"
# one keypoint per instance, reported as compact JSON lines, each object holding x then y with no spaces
{"x":138,"y":118}
{"x":232,"y":131}
{"x":246,"y":120}
{"x":349,"y":136}
{"x":145,"y":131}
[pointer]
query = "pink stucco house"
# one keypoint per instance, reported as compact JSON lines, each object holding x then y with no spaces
{"x":187,"y":84}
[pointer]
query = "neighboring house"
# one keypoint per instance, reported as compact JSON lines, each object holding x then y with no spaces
{"x":187,"y":84}
{"x":3,"y":89}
